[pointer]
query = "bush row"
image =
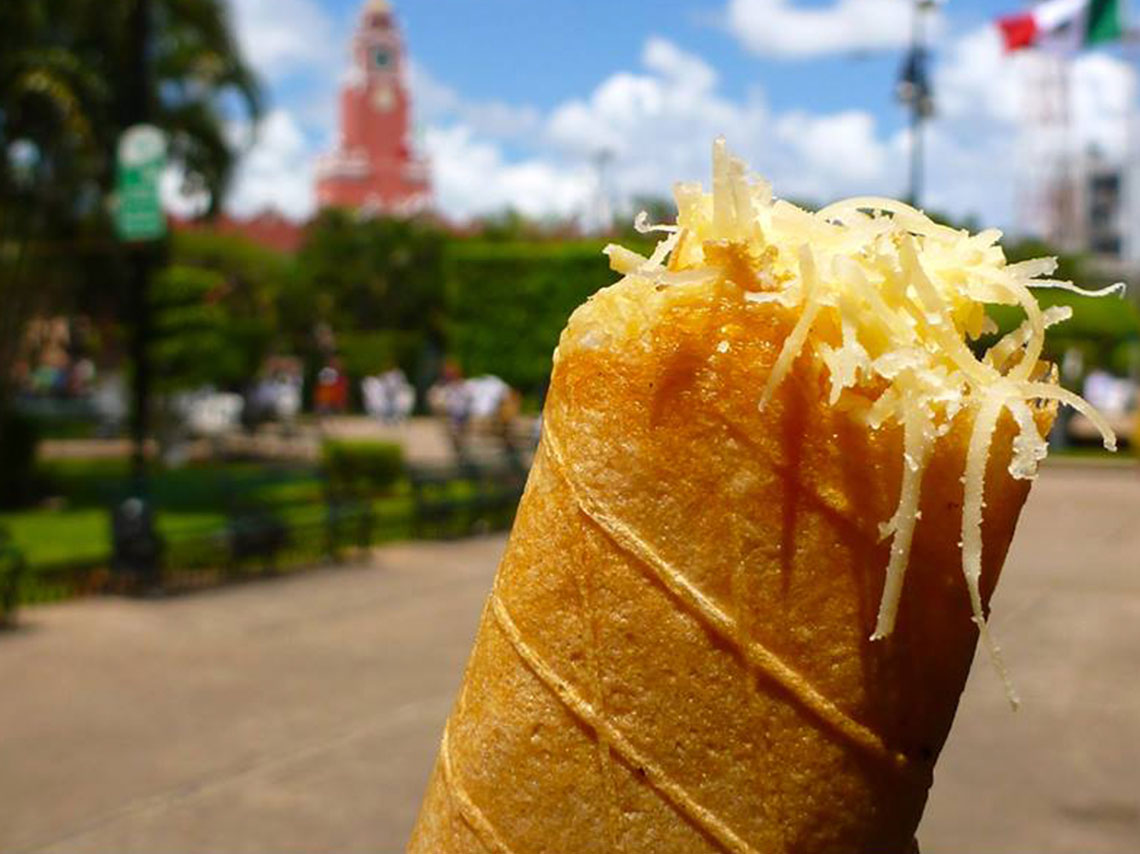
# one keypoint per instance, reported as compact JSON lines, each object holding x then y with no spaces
{"x":507,"y":303}
{"x":375,"y":466}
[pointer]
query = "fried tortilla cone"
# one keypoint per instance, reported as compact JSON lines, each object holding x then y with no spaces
{"x":677,"y":655}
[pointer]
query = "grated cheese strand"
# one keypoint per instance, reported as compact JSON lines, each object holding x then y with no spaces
{"x":1117,"y":288}
{"x":998,"y":662}
{"x":905,"y":295}
{"x":1036,"y":341}
{"x":1000,"y":353}
{"x":917,"y":441}
{"x":1046,"y":391}
{"x":1029,"y":448}
{"x":973,"y":505}
{"x":795,"y":342}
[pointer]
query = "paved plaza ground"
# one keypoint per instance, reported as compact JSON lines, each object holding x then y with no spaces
{"x":302,"y":714}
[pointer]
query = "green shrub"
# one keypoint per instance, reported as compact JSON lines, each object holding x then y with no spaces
{"x":1125,"y":358}
{"x":1104,"y":329}
{"x":508,"y":302}
{"x":375,"y":465}
{"x":376,"y":273}
{"x":18,"y":440}
{"x":367,"y":353}
{"x":195,"y":340}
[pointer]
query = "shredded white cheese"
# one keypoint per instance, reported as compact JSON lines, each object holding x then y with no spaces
{"x":906,"y":294}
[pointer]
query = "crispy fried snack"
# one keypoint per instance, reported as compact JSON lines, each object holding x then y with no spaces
{"x":699,"y":638}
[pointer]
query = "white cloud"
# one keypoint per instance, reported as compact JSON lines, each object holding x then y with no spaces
{"x":297,"y":43}
{"x":980,"y":85}
{"x":179,"y":197}
{"x":967,"y":173}
{"x":435,"y":102}
{"x":659,"y":127}
{"x":656,"y":126}
{"x":472,"y":177}
{"x":683,"y":70}
{"x":276,"y":170}
{"x":1103,"y":92}
{"x":991,"y":142}
{"x":656,"y":122}
{"x":977,"y":80}
{"x":431,"y":97}
{"x":780,"y":28}
{"x":281,"y":38}
{"x":834,"y":149}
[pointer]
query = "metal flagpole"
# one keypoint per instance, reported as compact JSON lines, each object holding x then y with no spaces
{"x":914,"y":90}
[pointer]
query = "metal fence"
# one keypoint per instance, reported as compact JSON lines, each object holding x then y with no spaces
{"x":262,"y":539}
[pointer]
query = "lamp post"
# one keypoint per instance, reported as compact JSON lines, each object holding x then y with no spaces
{"x":137,"y":111}
{"x":140,"y":222}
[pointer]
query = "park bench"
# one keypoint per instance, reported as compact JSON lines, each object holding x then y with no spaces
{"x":467,"y":497}
{"x":260,"y":528}
{"x":349,"y":516}
{"x":479,"y":491}
{"x":283,"y":517}
{"x":255,"y":531}
{"x":438,"y":505}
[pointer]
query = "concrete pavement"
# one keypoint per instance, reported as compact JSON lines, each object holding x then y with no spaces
{"x":302,"y":714}
{"x":1062,"y":774}
{"x":299,"y":714}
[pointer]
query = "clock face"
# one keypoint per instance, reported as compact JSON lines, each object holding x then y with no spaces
{"x":381,"y":58}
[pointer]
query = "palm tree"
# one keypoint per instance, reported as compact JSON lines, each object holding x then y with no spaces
{"x":65,"y":83}
{"x":65,"y":75}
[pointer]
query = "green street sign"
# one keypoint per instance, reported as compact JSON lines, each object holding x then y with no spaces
{"x":139,"y":164}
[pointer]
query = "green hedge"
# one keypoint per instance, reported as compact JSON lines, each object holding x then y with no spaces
{"x":1108,"y":317}
{"x":507,"y":303}
{"x":367,"y":353}
{"x":1105,"y":329}
{"x":195,"y":340}
{"x":376,"y":465}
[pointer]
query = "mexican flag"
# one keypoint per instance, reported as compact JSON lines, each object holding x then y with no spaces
{"x":1063,"y":25}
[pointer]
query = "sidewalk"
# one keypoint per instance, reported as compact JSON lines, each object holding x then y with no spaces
{"x":423,"y":438}
{"x":302,"y":714}
{"x":294,"y":715}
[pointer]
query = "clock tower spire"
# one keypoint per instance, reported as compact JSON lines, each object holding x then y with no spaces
{"x":375,"y":168}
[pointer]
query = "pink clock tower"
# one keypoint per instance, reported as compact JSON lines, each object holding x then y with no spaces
{"x":375,"y":168}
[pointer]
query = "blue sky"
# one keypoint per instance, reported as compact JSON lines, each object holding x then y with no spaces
{"x":514,"y":97}
{"x":562,"y":48}
{"x":549,"y":63}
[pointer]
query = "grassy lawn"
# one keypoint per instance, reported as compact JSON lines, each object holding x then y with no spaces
{"x":191,"y":501}
{"x":204,"y":487}
{"x":1124,"y":454}
{"x":83,"y":535}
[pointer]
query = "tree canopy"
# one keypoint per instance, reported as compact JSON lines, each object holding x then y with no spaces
{"x":68,"y":84}
{"x":66,"y":77}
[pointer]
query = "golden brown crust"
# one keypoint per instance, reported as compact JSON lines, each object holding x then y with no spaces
{"x":676,"y":656}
